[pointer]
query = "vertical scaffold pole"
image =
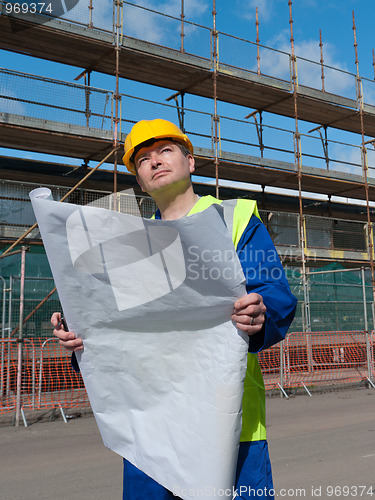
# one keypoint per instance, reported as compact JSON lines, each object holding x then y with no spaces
{"x":321,"y":59}
{"x":90,"y":14}
{"x":20,"y":339}
{"x":118,"y":4}
{"x":257,"y":39}
{"x":216,"y":119}
{"x":364,"y":158}
{"x":87,"y":80}
{"x":182,"y":26}
{"x":297,"y":153}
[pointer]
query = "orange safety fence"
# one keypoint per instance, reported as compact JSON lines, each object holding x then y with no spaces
{"x":320,"y":358}
{"x":48,"y":381}
{"x":269,"y":361}
{"x":58,"y":383}
{"x":315,"y":359}
{"x":9,"y":362}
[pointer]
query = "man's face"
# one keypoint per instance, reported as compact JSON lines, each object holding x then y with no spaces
{"x":161,"y":166}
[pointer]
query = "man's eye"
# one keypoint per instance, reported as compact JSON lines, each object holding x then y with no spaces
{"x":166,"y":149}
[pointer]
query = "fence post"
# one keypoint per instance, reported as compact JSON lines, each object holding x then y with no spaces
{"x":368,"y":347}
{"x":9,"y":332}
{"x":307,"y":329}
{"x":3,"y":335}
{"x":372,"y":343}
{"x":282,"y":365}
{"x":41,"y":372}
{"x":20,"y":338}
{"x":33,"y":374}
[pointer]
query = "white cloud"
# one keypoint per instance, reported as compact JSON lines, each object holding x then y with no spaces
{"x":248,"y":8}
{"x":368,"y":91}
{"x":371,"y":161}
{"x":139,"y":22}
{"x":309,"y":73}
{"x":156,"y":27}
{"x":142,"y":24}
{"x":350,"y":156}
{"x":173,"y":7}
{"x":266,"y":8}
{"x":9,"y":103}
{"x":336,"y":80}
{"x":102,"y":14}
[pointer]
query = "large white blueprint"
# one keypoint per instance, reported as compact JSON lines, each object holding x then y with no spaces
{"x":162,"y":363}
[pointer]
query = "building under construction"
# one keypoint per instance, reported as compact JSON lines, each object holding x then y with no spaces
{"x":327,"y":247}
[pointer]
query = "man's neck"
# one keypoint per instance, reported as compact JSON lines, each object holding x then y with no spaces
{"x":176,"y":205}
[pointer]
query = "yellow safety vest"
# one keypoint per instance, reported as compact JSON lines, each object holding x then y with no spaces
{"x":253,"y":401}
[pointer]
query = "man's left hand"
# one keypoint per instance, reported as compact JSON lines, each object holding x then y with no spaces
{"x":249,"y":313}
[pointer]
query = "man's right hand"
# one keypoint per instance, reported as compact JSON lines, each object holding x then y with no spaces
{"x":66,"y":339}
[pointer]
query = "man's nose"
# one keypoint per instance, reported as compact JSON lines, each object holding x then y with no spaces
{"x":155,"y":159}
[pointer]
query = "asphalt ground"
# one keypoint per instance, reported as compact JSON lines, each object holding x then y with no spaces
{"x":321,"y":447}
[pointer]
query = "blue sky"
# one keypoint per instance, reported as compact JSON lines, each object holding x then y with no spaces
{"x":332,"y":17}
{"x":237,"y":18}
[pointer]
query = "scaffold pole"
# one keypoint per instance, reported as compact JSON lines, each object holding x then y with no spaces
{"x":359,"y":94}
{"x":117,"y":96}
{"x":297,"y":152}
{"x":321,"y":58}
{"x":214,"y":76}
{"x":182,"y":27}
{"x":257,"y":39}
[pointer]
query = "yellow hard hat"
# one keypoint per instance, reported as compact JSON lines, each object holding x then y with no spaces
{"x":144,"y":131}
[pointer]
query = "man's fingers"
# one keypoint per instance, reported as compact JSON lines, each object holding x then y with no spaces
{"x":249,"y":329}
{"x":69,"y":340}
{"x":251,"y":310}
{"x":248,"y":300}
{"x":249,"y":313}
{"x":55,"y":318}
{"x":72,"y":345}
{"x":66,"y":339}
{"x":63,"y":335}
{"x":246,"y":319}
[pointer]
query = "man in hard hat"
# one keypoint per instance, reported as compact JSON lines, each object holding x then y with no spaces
{"x":160,"y":155}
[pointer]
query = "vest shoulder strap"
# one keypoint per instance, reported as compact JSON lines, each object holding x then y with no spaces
{"x":237,"y":214}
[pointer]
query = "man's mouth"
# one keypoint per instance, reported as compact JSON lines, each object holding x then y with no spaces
{"x":159,"y":172}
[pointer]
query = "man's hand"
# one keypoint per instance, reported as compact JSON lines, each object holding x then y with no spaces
{"x":66,"y":339}
{"x":249,"y":313}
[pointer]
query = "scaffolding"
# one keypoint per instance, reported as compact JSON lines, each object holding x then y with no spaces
{"x":93,"y":122}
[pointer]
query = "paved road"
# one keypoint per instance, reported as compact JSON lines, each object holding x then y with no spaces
{"x":324,"y":441}
{"x":327,"y":440}
{"x":57,"y":461}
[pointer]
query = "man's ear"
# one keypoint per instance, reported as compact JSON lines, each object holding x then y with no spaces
{"x":191,"y":163}
{"x":139,"y":183}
